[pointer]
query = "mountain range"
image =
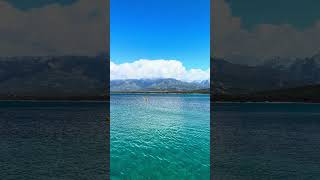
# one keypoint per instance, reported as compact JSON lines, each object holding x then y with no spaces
{"x":275,"y":73}
{"x":83,"y":76}
{"x":61,"y":77}
{"x":167,"y":84}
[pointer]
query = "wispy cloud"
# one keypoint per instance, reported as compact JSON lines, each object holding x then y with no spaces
{"x":152,"y":69}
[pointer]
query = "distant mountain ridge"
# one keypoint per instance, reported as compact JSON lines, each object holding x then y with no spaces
{"x":275,"y":73}
{"x":53,"y":77}
{"x":82,"y":76}
{"x":165,"y":84}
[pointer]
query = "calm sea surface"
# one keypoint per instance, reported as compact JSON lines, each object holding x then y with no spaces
{"x":53,"y":140}
{"x":159,"y":136}
{"x":266,"y":141}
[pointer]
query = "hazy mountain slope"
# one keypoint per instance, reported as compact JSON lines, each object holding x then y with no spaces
{"x":156,"y":85}
{"x":236,"y":78}
{"x":53,"y":76}
{"x":273,"y":74}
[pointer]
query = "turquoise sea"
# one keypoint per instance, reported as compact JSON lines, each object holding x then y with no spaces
{"x":160,"y":136}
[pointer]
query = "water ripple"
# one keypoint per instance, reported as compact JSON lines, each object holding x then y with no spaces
{"x":167,"y":137}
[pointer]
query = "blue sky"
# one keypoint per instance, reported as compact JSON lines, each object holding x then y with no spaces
{"x":161,"y":29}
{"x":298,"y":13}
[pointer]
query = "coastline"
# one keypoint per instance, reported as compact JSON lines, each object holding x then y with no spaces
{"x":160,"y":92}
{"x":214,"y":98}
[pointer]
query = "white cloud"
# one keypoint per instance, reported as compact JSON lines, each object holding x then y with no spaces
{"x":80,"y":28}
{"x":152,"y":69}
{"x":231,"y":40}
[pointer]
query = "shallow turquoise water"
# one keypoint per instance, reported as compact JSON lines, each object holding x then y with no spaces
{"x":160,"y":136}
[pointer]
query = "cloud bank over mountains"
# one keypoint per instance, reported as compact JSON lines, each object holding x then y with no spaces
{"x":79,"y":28}
{"x":156,"y":69}
{"x":232,"y":41}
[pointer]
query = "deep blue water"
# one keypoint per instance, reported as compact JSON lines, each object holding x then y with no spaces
{"x":160,"y":136}
{"x":266,"y":141}
{"x":53,"y":140}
